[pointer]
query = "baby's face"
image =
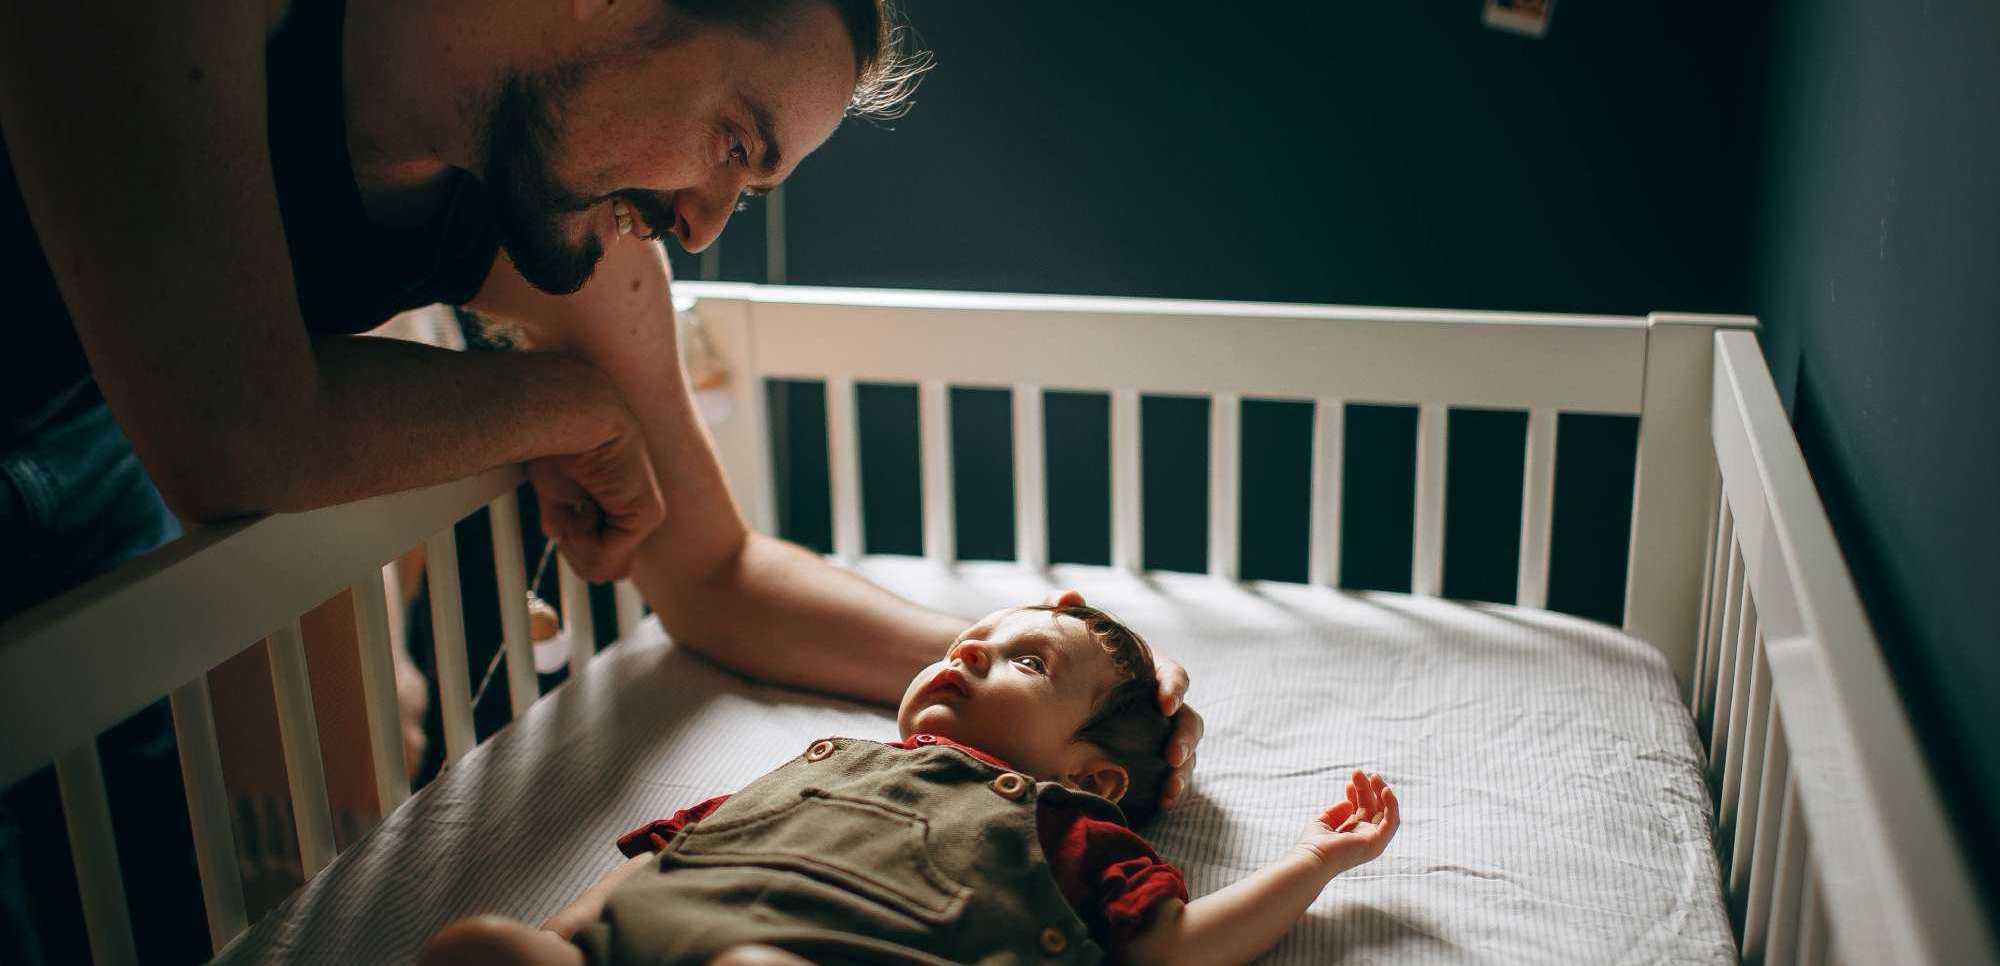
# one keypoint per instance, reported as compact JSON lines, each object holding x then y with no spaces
{"x":1016,"y":685}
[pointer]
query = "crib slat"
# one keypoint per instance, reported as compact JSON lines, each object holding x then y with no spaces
{"x":1707,"y":586}
{"x":208,"y":812}
{"x":1427,"y":566}
{"x":298,"y":732}
{"x":94,"y":852}
{"x":1725,"y":667}
{"x":1749,"y":785}
{"x":1127,"y":515}
{"x":1329,"y":440}
{"x":1812,"y":916}
{"x":1031,"y":528}
{"x":1747,"y":644}
{"x":1538,"y":488}
{"x":844,"y":468}
{"x":1785,"y":883}
{"x":631,"y":608}
{"x":579,"y":624}
{"x":448,"y":635}
{"x":510,"y":575}
{"x":1777,"y":790}
{"x":378,"y":692}
{"x":940,"y":520}
{"x":1225,"y":428}
{"x":1712,"y":602}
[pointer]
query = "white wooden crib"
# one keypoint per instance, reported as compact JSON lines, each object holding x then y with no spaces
{"x":1832,"y":841}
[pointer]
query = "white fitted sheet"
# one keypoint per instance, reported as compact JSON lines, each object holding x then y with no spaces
{"x":1553,"y":807}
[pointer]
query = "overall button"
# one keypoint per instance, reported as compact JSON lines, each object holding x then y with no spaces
{"x":924,"y":739}
{"x":820,"y":750}
{"x":1011,"y":786}
{"x":1053,"y":941}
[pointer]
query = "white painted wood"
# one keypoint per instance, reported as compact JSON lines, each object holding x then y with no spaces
{"x":1128,"y":530}
{"x":743,"y":439}
{"x":1427,"y":555}
{"x":844,"y":468}
{"x":1739,"y":711}
{"x":1900,"y":891}
{"x":579,"y":623}
{"x":1725,"y":684}
{"x":378,"y":694}
{"x":1785,"y":883}
{"x":448,"y":637}
{"x":1812,"y":917}
{"x":70,"y":667}
{"x":934,"y":435}
{"x":1485,"y":359}
{"x":298,"y":733}
{"x":1031,"y":497}
{"x":1329,"y":468}
{"x":1669,"y":486}
{"x":630,"y":607}
{"x":1749,"y":798}
{"x":510,"y":580}
{"x":1538,"y":491}
{"x":94,"y":853}
{"x":1225,"y":463}
{"x":208,"y":812}
{"x":1691,"y":693}
{"x":1774,"y":786}
{"x":1718,"y":592}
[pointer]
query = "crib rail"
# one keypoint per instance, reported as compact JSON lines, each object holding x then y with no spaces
{"x":1654,"y":367}
{"x":1834,"y":845}
{"x":79,"y":664}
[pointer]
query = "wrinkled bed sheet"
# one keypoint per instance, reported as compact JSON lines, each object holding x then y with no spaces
{"x":1550,"y":780}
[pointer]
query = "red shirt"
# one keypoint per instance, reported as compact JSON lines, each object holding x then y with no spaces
{"x":1109,"y":875}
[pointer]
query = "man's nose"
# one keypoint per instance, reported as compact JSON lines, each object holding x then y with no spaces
{"x":708,"y":213}
{"x":972,"y":654}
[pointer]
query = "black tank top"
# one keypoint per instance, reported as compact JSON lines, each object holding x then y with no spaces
{"x":351,"y":274}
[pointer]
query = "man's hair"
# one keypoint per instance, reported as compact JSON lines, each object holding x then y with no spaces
{"x":1127,"y":723}
{"x":887,"y":71}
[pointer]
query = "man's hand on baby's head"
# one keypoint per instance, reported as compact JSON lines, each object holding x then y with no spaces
{"x":1188,"y":726}
{"x":1356,"y":830}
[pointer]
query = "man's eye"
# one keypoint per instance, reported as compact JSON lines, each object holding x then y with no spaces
{"x":1032,"y":663}
{"x":737,"y":152}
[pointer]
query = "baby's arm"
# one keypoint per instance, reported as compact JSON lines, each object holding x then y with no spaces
{"x":1240,"y":922}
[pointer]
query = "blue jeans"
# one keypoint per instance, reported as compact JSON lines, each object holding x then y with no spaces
{"x":74,"y":504}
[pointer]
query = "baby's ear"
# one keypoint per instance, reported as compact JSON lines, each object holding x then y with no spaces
{"x":1100,"y":776}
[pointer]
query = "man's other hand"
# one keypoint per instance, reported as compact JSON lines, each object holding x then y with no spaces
{"x":598,"y":505}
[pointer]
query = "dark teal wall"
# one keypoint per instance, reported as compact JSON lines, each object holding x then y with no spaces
{"x":1878,"y":280}
{"x":1391,"y":153}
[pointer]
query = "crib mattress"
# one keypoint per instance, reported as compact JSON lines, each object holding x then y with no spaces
{"x":1553,"y":807}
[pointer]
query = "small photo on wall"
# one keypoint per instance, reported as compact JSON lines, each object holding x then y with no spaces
{"x":1529,"y":18}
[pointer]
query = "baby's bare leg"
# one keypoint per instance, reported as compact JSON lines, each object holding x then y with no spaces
{"x":497,"y":940}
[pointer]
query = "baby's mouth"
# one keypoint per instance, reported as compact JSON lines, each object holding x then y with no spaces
{"x":946,"y":681}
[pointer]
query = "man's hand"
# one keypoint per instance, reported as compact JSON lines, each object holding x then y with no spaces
{"x":1357,"y":829}
{"x":1173,"y":703}
{"x":598,"y":505}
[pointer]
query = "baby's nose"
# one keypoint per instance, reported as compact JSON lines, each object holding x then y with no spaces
{"x":972,"y":654}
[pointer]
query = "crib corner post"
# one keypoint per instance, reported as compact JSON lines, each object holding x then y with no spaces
{"x":1670,"y":485}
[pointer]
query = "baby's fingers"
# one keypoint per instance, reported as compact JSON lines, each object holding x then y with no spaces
{"x":1334,"y":817}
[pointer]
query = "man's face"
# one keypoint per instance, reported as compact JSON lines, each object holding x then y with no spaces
{"x":1017,"y":685}
{"x":677,"y":132}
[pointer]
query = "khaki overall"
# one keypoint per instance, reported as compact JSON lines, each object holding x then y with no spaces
{"x":856,"y":852}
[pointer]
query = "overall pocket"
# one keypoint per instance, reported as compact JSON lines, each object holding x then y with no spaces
{"x":868,"y":848}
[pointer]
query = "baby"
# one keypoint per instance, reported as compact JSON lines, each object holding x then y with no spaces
{"x":992,"y":833}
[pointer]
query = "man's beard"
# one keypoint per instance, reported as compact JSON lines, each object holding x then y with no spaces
{"x":530,"y":203}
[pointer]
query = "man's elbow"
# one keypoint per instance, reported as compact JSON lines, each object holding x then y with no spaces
{"x":231,"y":476}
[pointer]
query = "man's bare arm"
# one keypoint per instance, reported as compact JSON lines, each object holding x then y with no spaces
{"x":137,"y":134}
{"x":758,"y":605}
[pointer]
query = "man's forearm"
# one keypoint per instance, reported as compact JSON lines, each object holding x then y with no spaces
{"x":390,"y":415}
{"x":1238,"y":923}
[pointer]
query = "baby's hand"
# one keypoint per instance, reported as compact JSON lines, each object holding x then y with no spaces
{"x":1356,"y":830}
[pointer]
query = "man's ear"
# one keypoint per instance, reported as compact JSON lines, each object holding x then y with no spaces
{"x":1100,"y":776}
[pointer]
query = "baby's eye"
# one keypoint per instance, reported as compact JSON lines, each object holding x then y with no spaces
{"x":1032,"y":663}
